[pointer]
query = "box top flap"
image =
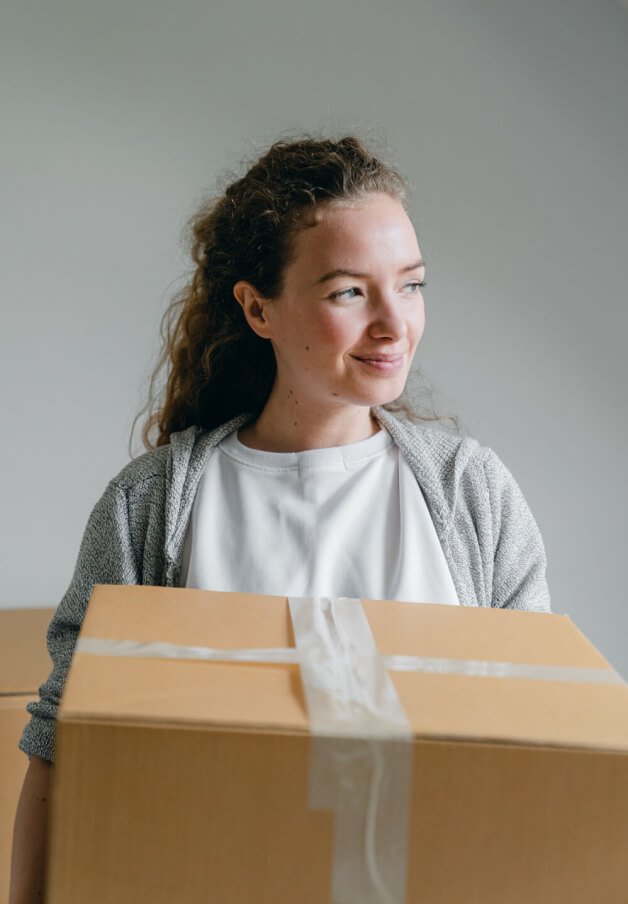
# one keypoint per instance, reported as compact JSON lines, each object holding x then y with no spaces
{"x":270,"y":697}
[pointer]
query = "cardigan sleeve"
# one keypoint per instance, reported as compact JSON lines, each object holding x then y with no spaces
{"x":519,"y":558}
{"x":105,"y":557}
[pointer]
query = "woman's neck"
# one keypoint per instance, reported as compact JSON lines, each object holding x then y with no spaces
{"x":273,"y":432}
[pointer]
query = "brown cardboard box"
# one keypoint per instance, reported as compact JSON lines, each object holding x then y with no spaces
{"x":24,"y":665}
{"x":183,"y":781}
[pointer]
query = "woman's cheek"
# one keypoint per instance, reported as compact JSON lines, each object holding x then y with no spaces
{"x":419,"y":321}
{"x":333,"y":333}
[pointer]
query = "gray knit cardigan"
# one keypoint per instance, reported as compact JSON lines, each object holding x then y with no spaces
{"x":136,"y":530}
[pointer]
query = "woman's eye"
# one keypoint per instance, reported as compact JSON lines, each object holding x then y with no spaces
{"x":343,"y":293}
{"x":415,"y":286}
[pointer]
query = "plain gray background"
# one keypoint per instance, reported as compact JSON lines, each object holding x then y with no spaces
{"x":510,"y":120}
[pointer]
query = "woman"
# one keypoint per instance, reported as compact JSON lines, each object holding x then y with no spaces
{"x":281,"y":464}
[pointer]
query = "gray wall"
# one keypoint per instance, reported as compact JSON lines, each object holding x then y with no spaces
{"x":510,"y":119}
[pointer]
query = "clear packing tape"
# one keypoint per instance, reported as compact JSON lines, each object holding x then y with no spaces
{"x":361,"y":752}
{"x":361,"y":755}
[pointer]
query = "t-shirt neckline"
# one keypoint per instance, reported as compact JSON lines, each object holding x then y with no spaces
{"x":349,"y":454}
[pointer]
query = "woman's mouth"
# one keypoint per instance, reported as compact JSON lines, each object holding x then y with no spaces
{"x":384,"y":365}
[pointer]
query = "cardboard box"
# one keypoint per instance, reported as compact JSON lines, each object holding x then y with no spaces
{"x":24,"y":666}
{"x":188,"y":781}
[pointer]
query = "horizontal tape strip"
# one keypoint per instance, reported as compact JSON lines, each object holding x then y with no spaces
{"x":395,"y":663}
{"x":163,"y":650}
{"x":18,"y":693}
{"x":494,"y":669}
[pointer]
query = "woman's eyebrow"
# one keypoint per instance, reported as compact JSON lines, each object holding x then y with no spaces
{"x":334,"y":273}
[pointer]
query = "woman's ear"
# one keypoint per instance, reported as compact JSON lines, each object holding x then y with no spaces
{"x":254,"y":305}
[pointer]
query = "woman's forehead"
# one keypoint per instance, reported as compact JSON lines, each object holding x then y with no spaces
{"x":342,"y":236}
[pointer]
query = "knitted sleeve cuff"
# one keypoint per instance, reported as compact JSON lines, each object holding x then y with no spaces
{"x":38,"y":738}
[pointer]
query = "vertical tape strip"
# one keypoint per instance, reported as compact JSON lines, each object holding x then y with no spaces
{"x":361,"y":758}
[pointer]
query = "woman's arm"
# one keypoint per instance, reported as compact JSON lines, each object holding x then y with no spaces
{"x":28,"y":860}
{"x":519,"y":559}
{"x":111,"y":552}
{"x":106,"y":556}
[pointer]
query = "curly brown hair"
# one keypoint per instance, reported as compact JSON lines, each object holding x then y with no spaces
{"x":219,"y":367}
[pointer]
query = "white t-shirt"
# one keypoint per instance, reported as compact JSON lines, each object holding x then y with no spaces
{"x":345,"y":521}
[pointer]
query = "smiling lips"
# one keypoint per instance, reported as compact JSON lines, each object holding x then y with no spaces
{"x":383,"y":362}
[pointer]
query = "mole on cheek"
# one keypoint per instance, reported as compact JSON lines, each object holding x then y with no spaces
{"x":307,"y":348}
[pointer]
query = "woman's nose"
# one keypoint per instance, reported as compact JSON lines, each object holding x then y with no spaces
{"x":387,"y":317}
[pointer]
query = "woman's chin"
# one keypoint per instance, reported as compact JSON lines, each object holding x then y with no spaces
{"x":380,"y":396}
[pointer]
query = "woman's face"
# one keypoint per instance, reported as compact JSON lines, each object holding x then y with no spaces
{"x":351,"y":314}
